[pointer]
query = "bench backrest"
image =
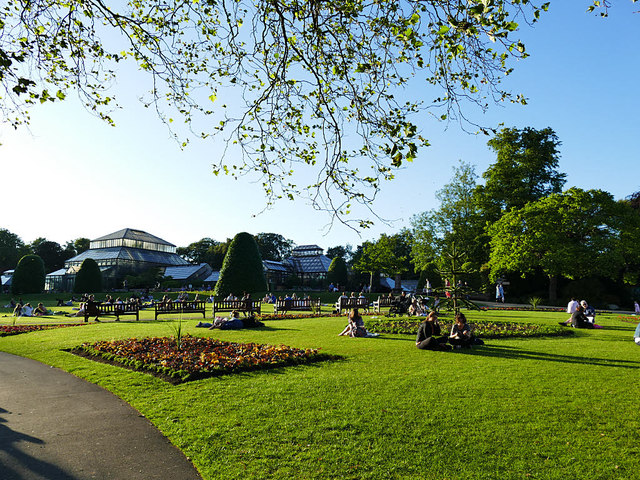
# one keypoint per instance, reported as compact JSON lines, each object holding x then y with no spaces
{"x":198,"y":306}
{"x":240,"y":305}
{"x":353,"y":302}
{"x":290,"y":304}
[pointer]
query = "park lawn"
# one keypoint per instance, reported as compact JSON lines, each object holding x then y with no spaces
{"x":547,"y":408}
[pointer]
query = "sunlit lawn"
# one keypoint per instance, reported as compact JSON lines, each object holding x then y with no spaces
{"x":562,"y":408}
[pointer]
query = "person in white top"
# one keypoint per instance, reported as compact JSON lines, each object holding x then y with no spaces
{"x":27,"y":310}
{"x":572,"y":306}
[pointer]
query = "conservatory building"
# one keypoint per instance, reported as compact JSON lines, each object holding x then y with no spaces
{"x":125,"y":252}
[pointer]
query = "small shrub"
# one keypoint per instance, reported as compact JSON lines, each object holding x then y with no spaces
{"x":534,"y":302}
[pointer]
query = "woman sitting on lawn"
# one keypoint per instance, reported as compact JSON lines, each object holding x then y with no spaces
{"x":355,"y":327}
{"x":40,"y":310}
{"x":579,"y":319}
{"x":461,"y":332}
{"x":426,"y":339}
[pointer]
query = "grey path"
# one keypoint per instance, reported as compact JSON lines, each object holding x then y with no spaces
{"x":55,"y":426}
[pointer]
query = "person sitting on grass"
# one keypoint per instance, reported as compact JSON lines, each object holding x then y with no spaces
{"x":636,"y":335}
{"x":17,"y":310}
{"x":461,"y":332}
{"x":27,"y":310}
{"x":426,"y":338}
{"x":579,"y":319}
{"x":589,"y":311}
{"x":355,"y":327}
{"x":40,"y":310}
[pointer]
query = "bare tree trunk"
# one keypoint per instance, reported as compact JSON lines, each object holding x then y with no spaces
{"x":398,"y":281}
{"x":553,"y":287}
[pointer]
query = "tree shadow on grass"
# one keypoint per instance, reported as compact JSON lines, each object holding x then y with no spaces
{"x":516,"y":353}
{"x":630,"y":328}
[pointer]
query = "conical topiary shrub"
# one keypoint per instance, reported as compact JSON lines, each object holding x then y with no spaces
{"x":242,"y":268}
{"x":88,"y":278}
{"x":29,"y":276}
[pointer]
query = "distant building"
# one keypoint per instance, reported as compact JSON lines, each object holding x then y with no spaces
{"x":127,"y":252}
{"x":307,"y":262}
{"x":5,"y":280}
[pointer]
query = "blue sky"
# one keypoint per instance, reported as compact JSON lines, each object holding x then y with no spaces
{"x":69,"y":175}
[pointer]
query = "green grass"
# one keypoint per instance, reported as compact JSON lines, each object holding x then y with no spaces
{"x":546,"y":408}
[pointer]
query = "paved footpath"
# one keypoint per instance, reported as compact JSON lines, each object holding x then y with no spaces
{"x":55,"y":426}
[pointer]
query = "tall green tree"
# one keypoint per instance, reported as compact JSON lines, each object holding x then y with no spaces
{"x":242,"y":268}
{"x":12,"y":249}
{"x":458,"y":221}
{"x":274,"y":246}
{"x":29,"y":276}
{"x":346,"y":252}
{"x":337,"y":272}
{"x":574,"y":234}
{"x":526,"y":170}
{"x":88,"y":278}
{"x":205,"y":250}
{"x":390,"y":254}
{"x":303,"y":71}
{"x":52,"y":253}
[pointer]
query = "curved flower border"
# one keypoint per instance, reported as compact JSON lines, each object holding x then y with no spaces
{"x":484,"y":329}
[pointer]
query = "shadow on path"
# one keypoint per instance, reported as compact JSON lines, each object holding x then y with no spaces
{"x":14,"y":462}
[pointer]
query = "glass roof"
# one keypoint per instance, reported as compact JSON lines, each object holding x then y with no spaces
{"x":133,"y":254}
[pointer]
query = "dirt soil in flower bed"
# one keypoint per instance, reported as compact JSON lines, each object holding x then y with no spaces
{"x":479,"y":328}
{"x":6,"y":330}
{"x":197,"y":357}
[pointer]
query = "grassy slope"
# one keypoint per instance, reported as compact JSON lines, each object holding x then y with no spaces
{"x":537,"y":408}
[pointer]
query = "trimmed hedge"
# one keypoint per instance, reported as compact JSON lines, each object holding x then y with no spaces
{"x":242,"y":268}
{"x":29,"y":276}
{"x":88,"y":278}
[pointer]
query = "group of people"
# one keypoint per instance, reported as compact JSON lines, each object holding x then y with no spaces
{"x":26,"y":310}
{"x":430,"y":334}
{"x":582,"y":314}
{"x":232,"y":322}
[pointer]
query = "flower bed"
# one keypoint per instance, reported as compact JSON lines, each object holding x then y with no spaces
{"x":524,"y":308}
{"x":197,"y":357}
{"x":484,"y":329}
{"x":295,"y":316}
{"x":629,"y":318}
{"x":6,"y":330}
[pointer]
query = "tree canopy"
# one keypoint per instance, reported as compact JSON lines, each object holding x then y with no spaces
{"x":12,"y":248}
{"x":457,"y":221}
{"x":526,"y":169}
{"x":573,"y":234}
{"x":316,"y":86}
{"x":274,"y":246}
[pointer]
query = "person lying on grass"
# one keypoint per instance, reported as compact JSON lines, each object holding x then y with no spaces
{"x":426,"y":338}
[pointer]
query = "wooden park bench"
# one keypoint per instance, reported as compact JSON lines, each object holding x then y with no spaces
{"x":382,"y":302}
{"x":180,"y":308}
{"x":349,"y":303}
{"x":245,"y":306}
{"x":282,"y":306}
{"x":117,"y":310}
